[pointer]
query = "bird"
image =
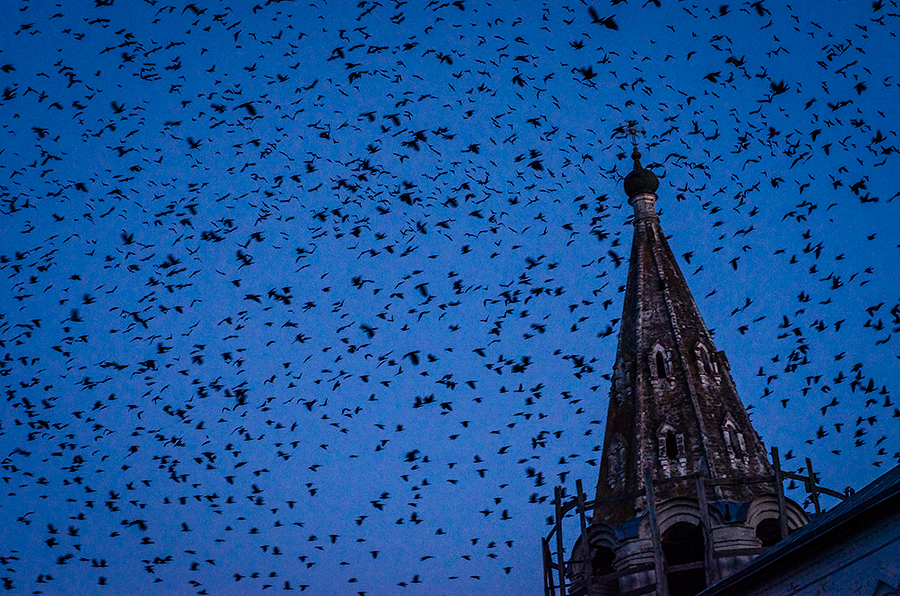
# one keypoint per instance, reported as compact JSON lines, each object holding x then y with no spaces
{"x":249,"y":281}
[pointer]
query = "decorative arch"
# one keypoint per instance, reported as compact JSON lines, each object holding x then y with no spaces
{"x":660,"y":364}
{"x":616,"y":463}
{"x":629,"y":381}
{"x":670,"y":445}
{"x":621,"y":385}
{"x":679,"y":524}
{"x":602,"y":543}
{"x":734,"y":439}
{"x":670,"y":442}
{"x":683,"y":543}
{"x":706,"y":365}
{"x":763,"y":511}
{"x":677,"y":510}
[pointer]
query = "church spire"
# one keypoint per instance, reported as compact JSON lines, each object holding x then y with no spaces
{"x":685,"y":490}
{"x":673,"y":407}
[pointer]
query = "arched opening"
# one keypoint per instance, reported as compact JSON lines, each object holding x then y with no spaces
{"x":660,"y":366}
{"x":769,"y":532}
{"x":602,"y":561}
{"x":683,"y":543}
{"x":732,"y":439}
{"x":671,"y":445}
{"x":704,"y":356}
{"x":707,"y":367}
{"x":616,"y":460}
{"x":736,"y":443}
{"x":602,"y":568}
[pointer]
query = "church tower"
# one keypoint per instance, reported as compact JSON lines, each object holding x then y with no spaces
{"x":685,"y":494}
{"x":674,"y":409}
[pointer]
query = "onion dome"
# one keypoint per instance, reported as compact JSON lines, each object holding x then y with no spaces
{"x":640,"y":180}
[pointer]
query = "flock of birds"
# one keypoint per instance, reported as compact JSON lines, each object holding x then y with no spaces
{"x":324,"y":297}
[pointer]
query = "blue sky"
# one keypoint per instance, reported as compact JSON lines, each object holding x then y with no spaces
{"x":320,"y":295}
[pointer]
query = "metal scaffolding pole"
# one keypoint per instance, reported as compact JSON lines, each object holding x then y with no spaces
{"x":585,"y":549}
{"x":559,"y":541}
{"x":779,"y":491}
{"x":811,"y":486}
{"x":708,"y":554}
{"x":659,"y":564}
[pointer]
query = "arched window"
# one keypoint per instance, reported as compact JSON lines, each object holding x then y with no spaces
{"x":671,"y":442}
{"x":734,"y":440}
{"x":602,"y":560}
{"x":705,"y":364}
{"x":704,"y":356}
{"x":671,"y":445}
{"x":616,"y":458}
{"x":660,"y":366}
{"x":769,"y":531}
{"x":682,"y":543}
{"x":659,"y":363}
{"x":736,"y":445}
{"x":621,"y":386}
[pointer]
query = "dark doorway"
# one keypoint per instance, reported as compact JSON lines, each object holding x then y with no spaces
{"x":682,"y":544}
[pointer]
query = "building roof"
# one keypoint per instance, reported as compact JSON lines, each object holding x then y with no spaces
{"x":862,"y":506}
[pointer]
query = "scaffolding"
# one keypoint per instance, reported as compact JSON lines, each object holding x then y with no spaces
{"x":555,"y":581}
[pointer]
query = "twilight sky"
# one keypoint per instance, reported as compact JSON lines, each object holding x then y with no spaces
{"x":325,"y":296}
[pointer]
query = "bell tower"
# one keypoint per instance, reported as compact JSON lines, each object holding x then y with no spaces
{"x":684,"y":495}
